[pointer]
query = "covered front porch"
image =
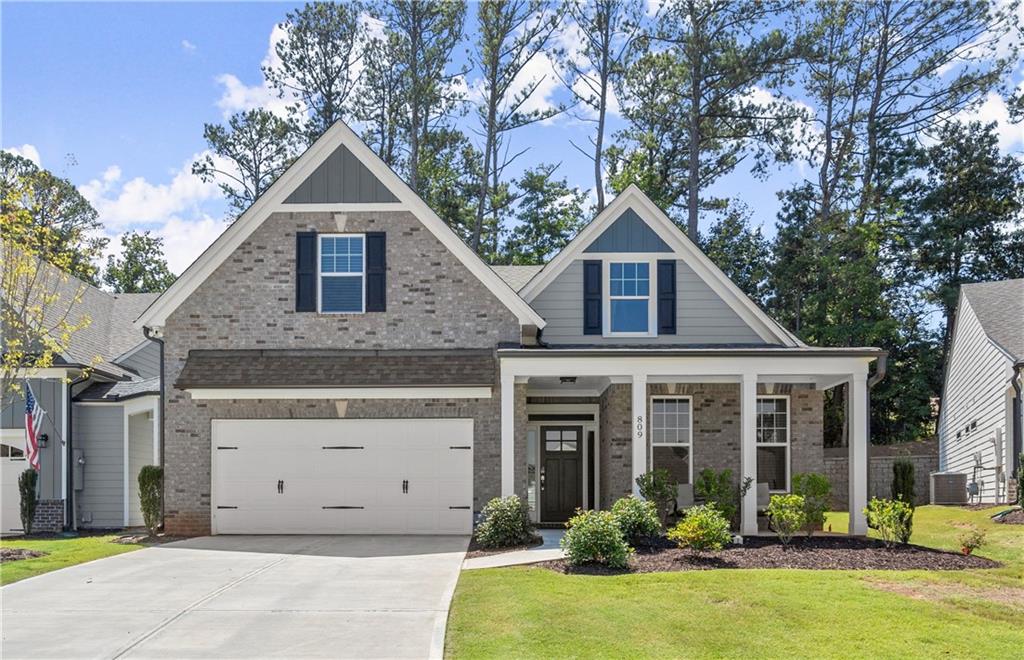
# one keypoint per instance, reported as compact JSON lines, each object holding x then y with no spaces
{"x":579,"y":425}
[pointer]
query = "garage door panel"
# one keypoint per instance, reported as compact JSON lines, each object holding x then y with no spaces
{"x":353,"y":487}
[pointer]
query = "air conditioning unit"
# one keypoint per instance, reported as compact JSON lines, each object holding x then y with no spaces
{"x":948,"y":488}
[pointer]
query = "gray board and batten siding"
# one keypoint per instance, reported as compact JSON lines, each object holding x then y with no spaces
{"x":629,"y":233}
{"x":341,"y":179}
{"x":49,"y":394}
{"x":99,"y":434}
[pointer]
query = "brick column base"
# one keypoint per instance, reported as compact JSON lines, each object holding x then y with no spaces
{"x":49,"y":518}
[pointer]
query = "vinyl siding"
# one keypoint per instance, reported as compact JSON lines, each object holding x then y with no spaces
{"x":342,"y":178}
{"x":140,"y":453}
{"x":144,"y":361}
{"x":977,"y":382}
{"x":49,"y":393}
{"x":702,"y":317}
{"x":99,"y":433}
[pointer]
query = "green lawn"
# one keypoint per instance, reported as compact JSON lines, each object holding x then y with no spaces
{"x":63,"y":552}
{"x":533,"y":612}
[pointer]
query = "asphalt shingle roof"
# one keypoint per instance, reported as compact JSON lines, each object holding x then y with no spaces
{"x":336,"y":368}
{"x":120,"y":390}
{"x":516,"y":276}
{"x":999,"y":307}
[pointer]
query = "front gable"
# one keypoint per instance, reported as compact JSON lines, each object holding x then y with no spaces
{"x":337,"y":175}
{"x":632,"y":261}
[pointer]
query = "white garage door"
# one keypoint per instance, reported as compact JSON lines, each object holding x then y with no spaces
{"x":342,"y":476}
{"x":12,"y":464}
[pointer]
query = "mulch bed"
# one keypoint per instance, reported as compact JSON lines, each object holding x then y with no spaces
{"x":14,"y":554}
{"x":477,"y":550}
{"x":819,"y":552}
{"x":1014,"y":517}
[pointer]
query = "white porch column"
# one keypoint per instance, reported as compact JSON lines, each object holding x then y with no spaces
{"x":857,"y":409}
{"x":639,"y":426}
{"x":748,"y":452}
{"x":508,"y":433}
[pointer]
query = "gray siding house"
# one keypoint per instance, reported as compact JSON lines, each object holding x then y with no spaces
{"x":339,"y":361}
{"x":980,"y":422}
{"x":101,"y":399}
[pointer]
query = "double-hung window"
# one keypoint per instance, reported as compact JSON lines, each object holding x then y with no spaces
{"x":342,"y":273}
{"x":672,"y":437}
{"x":629,"y":296}
{"x":773,"y":442}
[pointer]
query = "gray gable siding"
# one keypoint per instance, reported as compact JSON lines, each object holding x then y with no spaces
{"x":629,"y":233}
{"x":341,"y":178}
{"x":702,"y":317}
{"x":99,"y":433}
{"x":48,"y":393}
{"x":145,"y":361}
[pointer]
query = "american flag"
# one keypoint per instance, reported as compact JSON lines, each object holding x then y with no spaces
{"x":33,"y":420}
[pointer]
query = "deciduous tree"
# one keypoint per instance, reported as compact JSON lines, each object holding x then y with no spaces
{"x":141,"y":267}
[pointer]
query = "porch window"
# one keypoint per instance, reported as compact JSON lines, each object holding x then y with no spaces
{"x":672,"y":436}
{"x":773,"y":442}
{"x":629,"y":294}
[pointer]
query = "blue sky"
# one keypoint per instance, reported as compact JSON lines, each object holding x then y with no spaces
{"x":125,"y":90}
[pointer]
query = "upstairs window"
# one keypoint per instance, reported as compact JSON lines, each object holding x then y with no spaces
{"x":342,"y":273}
{"x":629,"y":295}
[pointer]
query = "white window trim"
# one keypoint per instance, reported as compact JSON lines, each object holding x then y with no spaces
{"x":688,"y":445}
{"x":606,"y":295}
{"x":789,"y":437}
{"x":320,"y":275}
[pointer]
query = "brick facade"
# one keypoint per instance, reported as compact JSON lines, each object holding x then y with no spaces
{"x":433,"y":302}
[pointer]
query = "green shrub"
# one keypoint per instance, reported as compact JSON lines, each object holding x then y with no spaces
{"x":27,"y":489}
{"x":594,"y":536}
{"x":816,"y":491}
{"x":659,"y":487}
{"x":637,"y":518}
{"x":703,"y":528}
{"x":894,"y":520}
{"x":972,"y":539}
{"x":718,"y":490}
{"x":506,"y":523}
{"x":903,"y":481}
{"x":786,"y":516}
{"x":151,"y":480}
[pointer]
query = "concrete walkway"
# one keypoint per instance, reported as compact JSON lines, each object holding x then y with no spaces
{"x":550,"y":549}
{"x":242,"y":597}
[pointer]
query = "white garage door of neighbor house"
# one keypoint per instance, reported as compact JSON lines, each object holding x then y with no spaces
{"x":12,"y":464}
{"x":342,"y":476}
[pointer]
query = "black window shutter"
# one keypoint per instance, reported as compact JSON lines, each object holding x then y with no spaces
{"x":376,"y":271}
{"x":592,"y":297}
{"x":666,"y":297}
{"x":305,"y":271}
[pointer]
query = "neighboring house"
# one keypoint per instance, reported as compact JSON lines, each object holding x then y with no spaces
{"x":980,"y":423}
{"x":101,"y":398}
{"x":339,"y":361}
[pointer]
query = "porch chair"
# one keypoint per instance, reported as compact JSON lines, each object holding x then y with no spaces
{"x":684,"y":497}
{"x":764,"y":498}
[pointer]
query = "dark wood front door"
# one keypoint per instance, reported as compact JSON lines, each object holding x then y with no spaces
{"x":562,"y":472}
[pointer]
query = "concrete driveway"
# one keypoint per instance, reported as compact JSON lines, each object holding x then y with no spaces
{"x":242,"y":596}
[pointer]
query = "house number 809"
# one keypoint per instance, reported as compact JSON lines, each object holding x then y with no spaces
{"x":640,"y":426}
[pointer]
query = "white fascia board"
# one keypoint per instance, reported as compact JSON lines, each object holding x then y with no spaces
{"x":683,"y":248}
{"x":271,"y":201}
{"x":682,"y":366}
{"x":45,"y":373}
{"x":341,"y":393}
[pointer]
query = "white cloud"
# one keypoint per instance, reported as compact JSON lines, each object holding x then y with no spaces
{"x":26,"y":151}
{"x":139,"y":202}
{"x":994,"y":109}
{"x":184,"y":240}
{"x":238,"y":96}
{"x":188,"y":46}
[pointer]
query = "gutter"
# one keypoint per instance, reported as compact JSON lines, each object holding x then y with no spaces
{"x":878,"y":353}
{"x":148,"y":333}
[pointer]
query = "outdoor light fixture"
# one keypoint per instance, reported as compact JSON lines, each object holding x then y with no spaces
{"x":43,"y":439}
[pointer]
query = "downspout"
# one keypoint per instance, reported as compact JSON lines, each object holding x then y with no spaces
{"x":148,"y":332}
{"x":1018,"y":432}
{"x":69,"y":503}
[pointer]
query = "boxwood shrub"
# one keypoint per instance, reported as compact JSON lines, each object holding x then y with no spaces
{"x":506,"y":522}
{"x":637,"y":518}
{"x":595,"y":537}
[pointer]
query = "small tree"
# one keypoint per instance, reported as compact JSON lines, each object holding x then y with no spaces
{"x":659,"y":487}
{"x":786,"y":516}
{"x":151,"y":480}
{"x":903,"y":481}
{"x":27,"y":487}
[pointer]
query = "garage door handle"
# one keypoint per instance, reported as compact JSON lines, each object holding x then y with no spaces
{"x":459,"y":507}
{"x":340,"y":447}
{"x":341,"y":507}
{"x":461,"y":447}
{"x":405,"y":486}
{"x":280,"y":486}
